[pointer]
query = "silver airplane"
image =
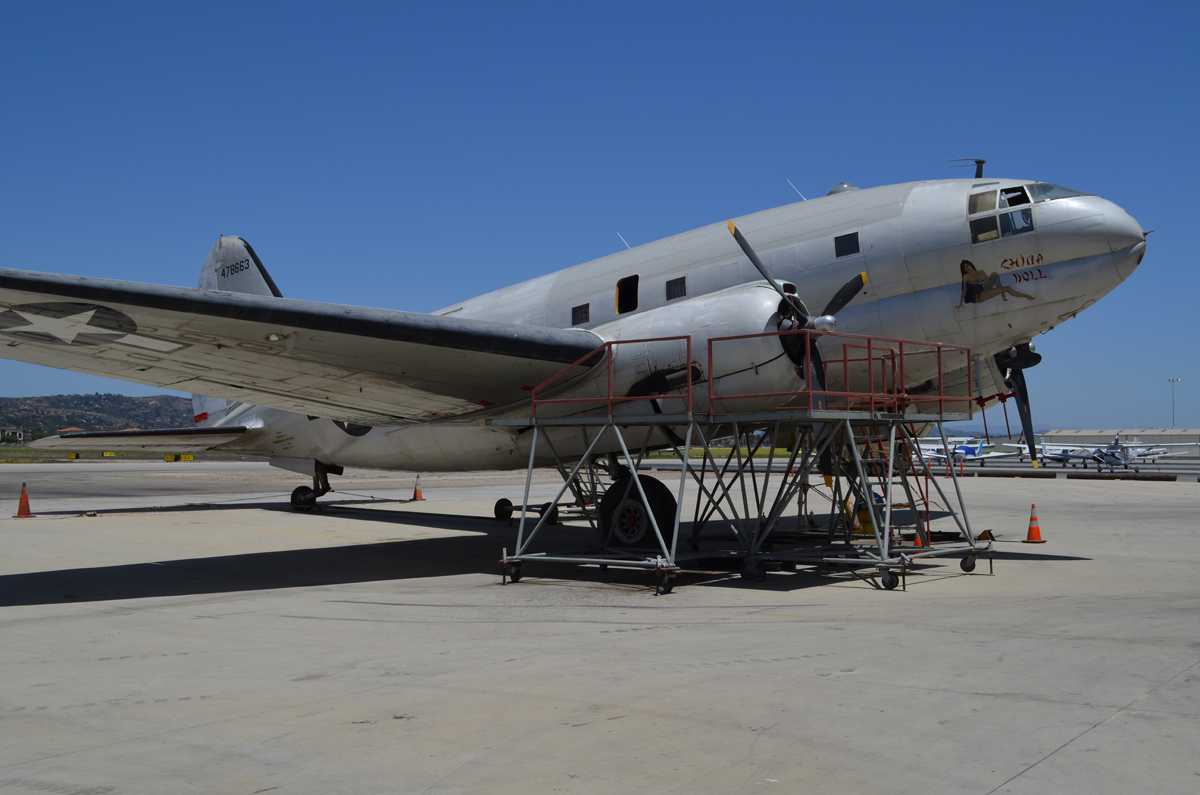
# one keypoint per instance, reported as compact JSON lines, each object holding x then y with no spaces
{"x":1114,"y":455}
{"x":988,"y":263}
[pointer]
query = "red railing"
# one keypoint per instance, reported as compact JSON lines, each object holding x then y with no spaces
{"x":608,"y":399}
{"x":860,"y":355}
{"x":892,"y":356}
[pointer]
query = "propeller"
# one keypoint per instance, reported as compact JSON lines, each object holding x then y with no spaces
{"x":825,"y":322}
{"x":1015,"y":361}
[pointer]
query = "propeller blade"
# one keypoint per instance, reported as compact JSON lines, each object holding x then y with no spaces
{"x":766,"y":274}
{"x":1016,"y":380}
{"x":844,"y":295}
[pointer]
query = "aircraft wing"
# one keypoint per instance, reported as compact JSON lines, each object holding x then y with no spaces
{"x":348,"y":363}
{"x":168,"y":440}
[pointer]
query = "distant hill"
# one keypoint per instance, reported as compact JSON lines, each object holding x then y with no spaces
{"x":45,"y":415}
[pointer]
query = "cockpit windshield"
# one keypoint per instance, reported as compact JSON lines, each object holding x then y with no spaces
{"x":1044,"y":192}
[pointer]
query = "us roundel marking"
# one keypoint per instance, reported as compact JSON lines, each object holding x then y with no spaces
{"x":76,"y":325}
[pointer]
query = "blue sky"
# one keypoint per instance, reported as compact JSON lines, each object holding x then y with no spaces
{"x":410,"y":156}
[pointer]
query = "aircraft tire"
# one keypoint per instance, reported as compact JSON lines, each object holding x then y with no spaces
{"x":504,"y":509}
{"x":753,"y":572}
{"x":634,"y":529}
{"x":304,"y":499}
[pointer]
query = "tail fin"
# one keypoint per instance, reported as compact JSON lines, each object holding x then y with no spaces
{"x":232,"y":266}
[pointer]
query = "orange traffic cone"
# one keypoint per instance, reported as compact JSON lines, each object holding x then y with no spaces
{"x":917,"y":539}
{"x":417,"y":495}
{"x":1035,"y":532}
{"x":23,"y":511}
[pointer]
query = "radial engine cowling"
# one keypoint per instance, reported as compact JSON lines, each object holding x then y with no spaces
{"x":754,"y":366}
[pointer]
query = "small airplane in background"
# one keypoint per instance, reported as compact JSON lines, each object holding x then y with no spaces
{"x":963,"y":449}
{"x":1113,"y":456}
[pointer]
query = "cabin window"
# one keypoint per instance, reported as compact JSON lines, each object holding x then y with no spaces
{"x":984,"y":229}
{"x":981,"y":202}
{"x":580,"y":314}
{"x":1013,"y":197}
{"x":845,"y":245}
{"x":1017,"y":223}
{"x":677,"y":288}
{"x":627,"y":297}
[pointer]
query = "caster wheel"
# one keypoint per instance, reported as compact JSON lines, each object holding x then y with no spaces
{"x":967,"y":564}
{"x":514,"y":573}
{"x":1135,"y":470}
{"x":889,"y":579}
{"x":503,"y":509}
{"x":666,"y":581}
{"x":753,"y":572}
{"x":304,"y":499}
{"x":550,"y":512}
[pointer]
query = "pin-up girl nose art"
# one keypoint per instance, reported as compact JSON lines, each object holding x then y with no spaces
{"x":978,"y":286}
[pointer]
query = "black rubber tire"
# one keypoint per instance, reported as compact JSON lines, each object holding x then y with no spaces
{"x":550,"y":512}
{"x":889,"y":579}
{"x":641,"y":532}
{"x":304,"y":499}
{"x":967,"y":564}
{"x":665,"y":582}
{"x":514,"y":573}
{"x":503,"y":509}
{"x":753,"y":572}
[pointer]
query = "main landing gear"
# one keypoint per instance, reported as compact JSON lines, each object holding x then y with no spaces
{"x":304,"y":499}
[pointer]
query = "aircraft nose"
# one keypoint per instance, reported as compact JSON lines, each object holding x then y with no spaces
{"x":1123,"y":231}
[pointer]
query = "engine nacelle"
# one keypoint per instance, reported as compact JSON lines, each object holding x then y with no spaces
{"x":753,"y":366}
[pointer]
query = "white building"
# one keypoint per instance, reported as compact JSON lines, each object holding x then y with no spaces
{"x":17,"y":432}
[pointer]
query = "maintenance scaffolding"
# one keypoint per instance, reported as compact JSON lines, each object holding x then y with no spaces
{"x":846,"y":456}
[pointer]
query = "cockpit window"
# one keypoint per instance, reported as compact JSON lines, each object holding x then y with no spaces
{"x":981,"y":202}
{"x":984,"y":229}
{"x":1013,"y":197}
{"x":1044,"y":192}
{"x":1017,"y":223}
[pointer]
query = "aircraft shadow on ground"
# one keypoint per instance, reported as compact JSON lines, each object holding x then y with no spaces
{"x":390,"y":560}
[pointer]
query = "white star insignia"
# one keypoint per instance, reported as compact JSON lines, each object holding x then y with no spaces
{"x":62,"y":328}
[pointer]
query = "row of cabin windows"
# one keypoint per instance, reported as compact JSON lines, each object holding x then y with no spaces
{"x":627,"y":288}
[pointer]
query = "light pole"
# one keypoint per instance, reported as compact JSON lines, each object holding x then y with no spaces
{"x":1173,"y":382}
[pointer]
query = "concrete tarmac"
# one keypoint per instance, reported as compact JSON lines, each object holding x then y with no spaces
{"x":201,"y":637}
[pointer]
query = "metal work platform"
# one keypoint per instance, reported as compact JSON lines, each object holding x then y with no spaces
{"x":829,"y":477}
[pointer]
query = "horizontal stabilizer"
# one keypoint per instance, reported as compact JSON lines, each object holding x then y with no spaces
{"x":173,"y":440}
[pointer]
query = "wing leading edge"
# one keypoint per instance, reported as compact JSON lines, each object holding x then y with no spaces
{"x":355,"y":364}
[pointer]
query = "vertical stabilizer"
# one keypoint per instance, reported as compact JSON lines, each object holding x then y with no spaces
{"x":232,"y":266}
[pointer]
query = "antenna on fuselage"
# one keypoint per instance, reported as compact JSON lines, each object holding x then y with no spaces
{"x":978,"y":161}
{"x":623,"y":240}
{"x":798,"y":193}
